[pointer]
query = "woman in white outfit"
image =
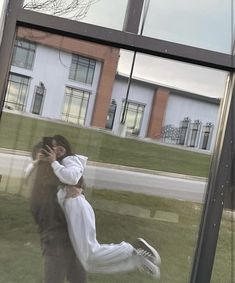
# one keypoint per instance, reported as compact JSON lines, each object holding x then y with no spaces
{"x":80,"y":217}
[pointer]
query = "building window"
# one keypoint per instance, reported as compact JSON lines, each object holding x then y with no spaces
{"x":134,"y":115}
{"x":183,"y":130}
{"x":38,"y":99}
{"x":75,"y":105}
{"x":195,"y":129}
{"x":111,"y":115}
{"x":206,"y":135}
{"x":82,"y":69}
{"x":23,"y":55}
{"x":17,"y":90}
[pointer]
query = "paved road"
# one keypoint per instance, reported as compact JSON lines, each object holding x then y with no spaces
{"x":102,"y":177}
{"x":151,"y":184}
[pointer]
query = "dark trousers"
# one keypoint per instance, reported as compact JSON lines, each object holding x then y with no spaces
{"x":61,"y":264}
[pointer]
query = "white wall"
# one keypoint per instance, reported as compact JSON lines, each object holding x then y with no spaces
{"x":179,"y":107}
{"x":51,"y":67}
{"x":138,"y":93}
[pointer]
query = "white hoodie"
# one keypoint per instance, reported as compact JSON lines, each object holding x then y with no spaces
{"x":71,"y":169}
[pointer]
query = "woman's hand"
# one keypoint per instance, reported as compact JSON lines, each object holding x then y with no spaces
{"x":50,"y":154}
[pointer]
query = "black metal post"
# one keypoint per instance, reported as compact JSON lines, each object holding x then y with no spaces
{"x":131,"y":2}
{"x":133,"y":16}
{"x":7,"y":44}
{"x":218,"y":186}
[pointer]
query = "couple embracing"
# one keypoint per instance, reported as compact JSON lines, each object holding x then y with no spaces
{"x":66,"y":220}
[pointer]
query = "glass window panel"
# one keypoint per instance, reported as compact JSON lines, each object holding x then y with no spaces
{"x":16,"y":92}
{"x":140,"y":180}
{"x":82,"y":69}
{"x":225,"y":250}
{"x":37,"y":103}
{"x":190,"y":23}
{"x":66,"y":104}
{"x":99,"y":13}
{"x":73,"y":106}
{"x":134,"y":115}
{"x":81,"y":74}
{"x":23,"y":54}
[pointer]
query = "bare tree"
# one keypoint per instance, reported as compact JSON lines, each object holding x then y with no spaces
{"x":72,"y":9}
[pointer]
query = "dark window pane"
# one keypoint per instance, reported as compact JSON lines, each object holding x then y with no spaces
{"x":23,"y":55}
{"x":82,"y":69}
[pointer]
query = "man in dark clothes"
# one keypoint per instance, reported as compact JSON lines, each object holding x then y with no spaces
{"x":60,"y":261}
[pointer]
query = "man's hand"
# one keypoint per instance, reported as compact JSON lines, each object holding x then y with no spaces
{"x":73,"y":192}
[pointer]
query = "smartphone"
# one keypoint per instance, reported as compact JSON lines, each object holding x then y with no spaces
{"x":47,"y":141}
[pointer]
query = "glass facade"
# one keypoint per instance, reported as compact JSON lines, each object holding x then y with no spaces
{"x":151,"y":127}
{"x":99,"y":13}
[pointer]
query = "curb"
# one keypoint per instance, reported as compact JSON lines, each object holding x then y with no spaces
{"x":118,"y":167}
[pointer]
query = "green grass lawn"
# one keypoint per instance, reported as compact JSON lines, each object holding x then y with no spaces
{"x":20,"y":257}
{"x":19,"y":132}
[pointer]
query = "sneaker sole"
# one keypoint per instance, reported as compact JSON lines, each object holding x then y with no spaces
{"x":154,"y":252}
{"x":152,"y":269}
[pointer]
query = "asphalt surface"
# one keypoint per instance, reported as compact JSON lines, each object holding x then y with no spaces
{"x":116,"y":177}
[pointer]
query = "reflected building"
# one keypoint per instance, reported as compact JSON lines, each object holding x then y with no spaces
{"x":78,"y":82}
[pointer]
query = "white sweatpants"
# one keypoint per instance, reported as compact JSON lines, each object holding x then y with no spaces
{"x":95,"y":257}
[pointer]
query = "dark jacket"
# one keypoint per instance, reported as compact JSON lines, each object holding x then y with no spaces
{"x":44,"y":206}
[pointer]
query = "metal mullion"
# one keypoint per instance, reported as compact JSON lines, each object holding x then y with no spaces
{"x":219,"y":184}
{"x":7,"y":44}
{"x":133,"y":16}
{"x":218,"y":181}
{"x":126,"y":40}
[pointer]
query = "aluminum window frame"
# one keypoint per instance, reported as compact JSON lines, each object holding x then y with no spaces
{"x":219,"y":182}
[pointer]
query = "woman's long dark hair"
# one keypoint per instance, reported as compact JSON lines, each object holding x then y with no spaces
{"x":62,"y":141}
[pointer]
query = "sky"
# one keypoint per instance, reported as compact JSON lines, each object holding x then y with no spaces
{"x":206,"y":24}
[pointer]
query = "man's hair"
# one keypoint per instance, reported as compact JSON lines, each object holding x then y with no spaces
{"x":36,"y":149}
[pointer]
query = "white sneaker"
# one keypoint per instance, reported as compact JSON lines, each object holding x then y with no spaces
{"x":148,"y":266}
{"x":148,"y":251}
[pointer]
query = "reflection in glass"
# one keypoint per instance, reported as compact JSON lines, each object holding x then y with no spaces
{"x":82,"y":69}
{"x":191,"y":22}
{"x":38,"y":99}
{"x":23,"y":54}
{"x":96,"y":12}
{"x":111,"y":115}
{"x":75,"y":106}
{"x":37,"y":103}
{"x":141,"y":181}
{"x":206,"y":135}
{"x":195,"y":128}
{"x":188,"y":96}
{"x":17,"y":92}
{"x":223,"y":269}
{"x":133,"y":117}
{"x":184,"y":130}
